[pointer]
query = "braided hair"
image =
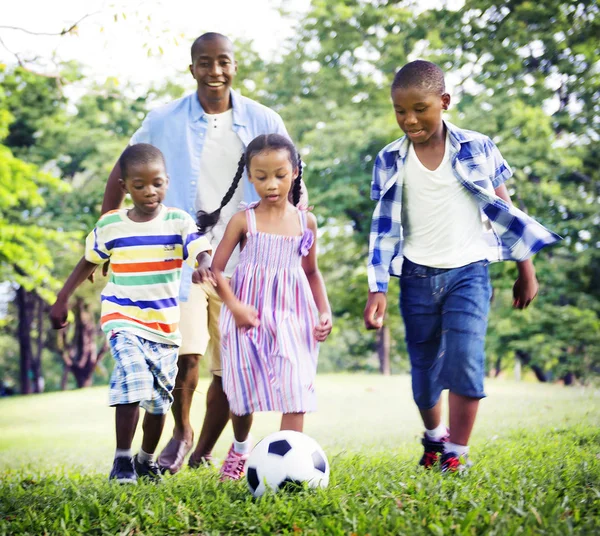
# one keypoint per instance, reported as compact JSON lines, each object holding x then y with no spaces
{"x":207,"y":220}
{"x":264,"y":142}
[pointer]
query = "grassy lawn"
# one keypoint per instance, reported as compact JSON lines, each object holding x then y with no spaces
{"x":536,"y":450}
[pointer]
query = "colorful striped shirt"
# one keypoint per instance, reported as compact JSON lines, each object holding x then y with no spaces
{"x":480,"y":168}
{"x":146,"y":258}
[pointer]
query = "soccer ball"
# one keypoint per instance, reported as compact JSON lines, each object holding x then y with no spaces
{"x":286,"y":459}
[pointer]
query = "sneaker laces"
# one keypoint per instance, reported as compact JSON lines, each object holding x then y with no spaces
{"x":233,"y":466}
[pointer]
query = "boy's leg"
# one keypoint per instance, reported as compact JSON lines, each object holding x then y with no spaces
{"x":161,"y":360}
{"x":126,"y":421}
{"x":292,"y":421}
{"x":194,"y":332}
{"x":217,"y":405}
{"x":233,"y":465}
{"x":466,"y":308}
{"x":421,"y":312}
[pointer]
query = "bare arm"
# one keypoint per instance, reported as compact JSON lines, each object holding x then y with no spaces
{"x":113,"y":193}
{"x":245,"y":315}
{"x":317,"y":285}
{"x":526,"y":286}
{"x":60,"y":309}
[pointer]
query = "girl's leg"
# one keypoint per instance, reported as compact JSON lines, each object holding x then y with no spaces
{"x":241,"y":426}
{"x":292,"y":421}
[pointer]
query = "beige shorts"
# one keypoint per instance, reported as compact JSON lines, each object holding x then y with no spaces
{"x":199,"y":325}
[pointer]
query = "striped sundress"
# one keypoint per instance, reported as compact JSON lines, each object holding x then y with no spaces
{"x":271,"y":367}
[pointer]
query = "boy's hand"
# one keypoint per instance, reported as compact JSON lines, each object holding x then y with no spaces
{"x":323,"y":328}
{"x":58,"y":314}
{"x":203,"y":272}
{"x":525,"y":290}
{"x":375,"y":310}
{"x":200,"y":275}
{"x":245,"y":316}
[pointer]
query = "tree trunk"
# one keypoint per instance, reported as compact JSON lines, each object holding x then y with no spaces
{"x":525,"y":358}
{"x":25,"y":308}
{"x":81,"y":355}
{"x":383,"y":350}
{"x":36,"y":363}
{"x":498,"y":367}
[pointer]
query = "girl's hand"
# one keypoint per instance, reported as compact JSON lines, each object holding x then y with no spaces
{"x":323,"y":328}
{"x":524,"y":290}
{"x":58,"y":314}
{"x":245,"y":316}
{"x":202,"y":274}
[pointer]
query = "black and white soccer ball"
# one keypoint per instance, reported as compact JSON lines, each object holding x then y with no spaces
{"x":286,"y":459}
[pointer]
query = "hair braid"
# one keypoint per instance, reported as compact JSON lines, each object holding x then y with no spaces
{"x":206,"y":220}
{"x":297,"y":188}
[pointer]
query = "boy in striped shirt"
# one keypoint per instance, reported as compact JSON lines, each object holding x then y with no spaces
{"x":146,"y":246}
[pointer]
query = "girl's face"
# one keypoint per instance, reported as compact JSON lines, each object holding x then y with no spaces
{"x":272,"y":174}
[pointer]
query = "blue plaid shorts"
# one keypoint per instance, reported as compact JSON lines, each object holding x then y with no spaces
{"x":144,"y":372}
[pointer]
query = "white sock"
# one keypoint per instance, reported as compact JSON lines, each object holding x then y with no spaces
{"x":437,"y":433}
{"x":144,"y":457}
{"x":460,"y":450}
{"x":242,"y":447}
{"x":123,"y":453}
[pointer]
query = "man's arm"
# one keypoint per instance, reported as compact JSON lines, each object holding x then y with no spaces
{"x":113,"y":193}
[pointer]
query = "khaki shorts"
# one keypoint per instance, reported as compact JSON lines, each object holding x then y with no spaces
{"x":199,"y":325}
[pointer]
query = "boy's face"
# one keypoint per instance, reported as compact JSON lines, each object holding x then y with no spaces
{"x":272,"y":175}
{"x":214,"y":69}
{"x":419,"y":113}
{"x":147,"y":186}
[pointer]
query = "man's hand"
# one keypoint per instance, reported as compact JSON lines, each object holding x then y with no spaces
{"x":105,"y":267}
{"x":375,"y":310}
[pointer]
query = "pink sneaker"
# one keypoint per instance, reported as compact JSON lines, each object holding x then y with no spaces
{"x":233,"y":466}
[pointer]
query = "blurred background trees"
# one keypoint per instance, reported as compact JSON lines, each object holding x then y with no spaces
{"x":524,"y":73}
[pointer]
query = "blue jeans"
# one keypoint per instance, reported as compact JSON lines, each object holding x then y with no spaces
{"x":445,"y":312}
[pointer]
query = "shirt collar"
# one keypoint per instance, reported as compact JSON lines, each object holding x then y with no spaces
{"x":239,"y":110}
{"x":457,"y":136}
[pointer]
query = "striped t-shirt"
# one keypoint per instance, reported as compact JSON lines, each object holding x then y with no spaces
{"x":142,"y":293}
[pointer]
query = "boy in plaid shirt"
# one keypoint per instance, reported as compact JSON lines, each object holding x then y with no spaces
{"x":443,"y":214}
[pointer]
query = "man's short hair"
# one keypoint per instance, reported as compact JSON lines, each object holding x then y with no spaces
{"x":139,"y":153}
{"x":208,"y":36}
{"x":420,"y":74}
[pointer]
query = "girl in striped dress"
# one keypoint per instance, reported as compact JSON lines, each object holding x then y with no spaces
{"x":275,"y":306}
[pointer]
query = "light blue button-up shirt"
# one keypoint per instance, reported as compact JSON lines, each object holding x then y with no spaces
{"x":178,"y":129}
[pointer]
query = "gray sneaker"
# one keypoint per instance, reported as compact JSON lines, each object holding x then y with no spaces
{"x":122,"y":471}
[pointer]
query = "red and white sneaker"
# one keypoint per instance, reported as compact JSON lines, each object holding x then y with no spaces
{"x":432,"y":450}
{"x":233,"y":465}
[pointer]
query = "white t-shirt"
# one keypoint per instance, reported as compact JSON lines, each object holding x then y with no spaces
{"x":218,"y":164}
{"x":442,"y":222}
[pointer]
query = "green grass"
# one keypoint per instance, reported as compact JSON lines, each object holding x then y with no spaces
{"x":536,"y":450}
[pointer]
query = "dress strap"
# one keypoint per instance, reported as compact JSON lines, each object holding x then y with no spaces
{"x":302,"y":215}
{"x":251,"y":220}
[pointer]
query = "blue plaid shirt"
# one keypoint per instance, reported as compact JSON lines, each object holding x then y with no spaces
{"x":480,"y":168}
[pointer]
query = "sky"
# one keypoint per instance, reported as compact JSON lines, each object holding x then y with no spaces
{"x":121,"y":39}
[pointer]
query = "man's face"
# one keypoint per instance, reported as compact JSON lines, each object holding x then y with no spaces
{"x":214,"y":69}
{"x":419,"y":113}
